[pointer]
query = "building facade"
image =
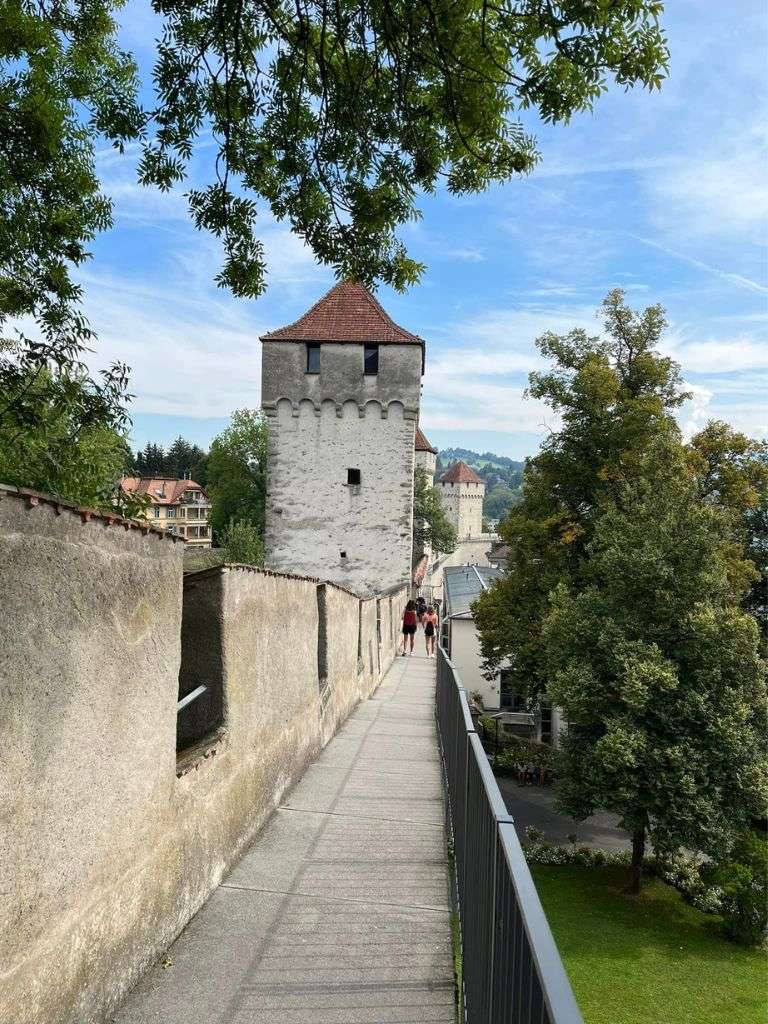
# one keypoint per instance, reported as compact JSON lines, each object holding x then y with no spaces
{"x":462,"y":586}
{"x":461,"y":493}
{"x":426,"y":456}
{"x":179,"y":506}
{"x":340,"y":390}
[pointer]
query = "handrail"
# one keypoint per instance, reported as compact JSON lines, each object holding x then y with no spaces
{"x":193,"y":695}
{"x":511,"y":966}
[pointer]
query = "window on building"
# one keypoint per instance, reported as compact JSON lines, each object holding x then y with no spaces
{"x":156,"y":511}
{"x":509,"y":699}
{"x":354,"y":477}
{"x":313,"y":358}
{"x":371,"y":360}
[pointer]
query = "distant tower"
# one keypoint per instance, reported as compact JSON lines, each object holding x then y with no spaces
{"x":462,"y":492}
{"x":340,"y":388}
{"x":426,"y":456}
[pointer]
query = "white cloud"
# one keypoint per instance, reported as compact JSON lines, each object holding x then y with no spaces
{"x":468,"y":254}
{"x":716,"y":194}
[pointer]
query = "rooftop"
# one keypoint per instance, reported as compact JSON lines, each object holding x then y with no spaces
{"x":348,"y":312}
{"x":461,"y":473}
{"x":163,"y":490}
{"x":463,"y":584}
{"x":421,"y":444}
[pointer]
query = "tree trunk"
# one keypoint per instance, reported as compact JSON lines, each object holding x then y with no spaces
{"x":638,"y":852}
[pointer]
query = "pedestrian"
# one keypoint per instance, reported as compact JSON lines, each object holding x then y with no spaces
{"x":429,"y":622}
{"x":410,"y":622}
{"x":421,"y":608}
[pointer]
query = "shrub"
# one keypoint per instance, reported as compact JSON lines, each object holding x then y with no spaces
{"x":521,"y":751}
{"x":743,"y":883}
{"x":242,"y":543}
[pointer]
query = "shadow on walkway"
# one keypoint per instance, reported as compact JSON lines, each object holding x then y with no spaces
{"x":338,"y":914}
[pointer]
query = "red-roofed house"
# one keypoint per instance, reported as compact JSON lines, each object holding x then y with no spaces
{"x":462,"y":492}
{"x":341,"y":388}
{"x":179,"y":506}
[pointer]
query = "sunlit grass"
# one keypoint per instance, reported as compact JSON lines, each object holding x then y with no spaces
{"x":651,"y":959}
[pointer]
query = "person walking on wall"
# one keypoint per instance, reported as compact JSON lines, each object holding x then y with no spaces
{"x":429,"y":622}
{"x":421,"y":609}
{"x":410,"y":621}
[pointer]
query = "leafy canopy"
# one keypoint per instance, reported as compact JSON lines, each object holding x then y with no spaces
{"x":242,"y":543}
{"x":338,"y":114}
{"x":430,"y":523}
{"x":72,"y":450}
{"x":615,"y":396}
{"x":657,"y":669}
{"x":236,"y":470}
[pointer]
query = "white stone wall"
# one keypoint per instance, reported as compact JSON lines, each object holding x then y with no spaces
{"x":427,"y":461}
{"x":317,"y":524}
{"x":463,"y":504}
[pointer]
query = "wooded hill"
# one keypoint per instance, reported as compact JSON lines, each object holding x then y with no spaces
{"x":503,"y":477}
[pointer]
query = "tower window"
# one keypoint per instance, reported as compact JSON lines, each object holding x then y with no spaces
{"x":313,"y":358}
{"x":354,"y":477}
{"x":371,"y":360}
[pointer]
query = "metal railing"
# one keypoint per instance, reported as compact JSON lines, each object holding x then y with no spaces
{"x":512,"y":970}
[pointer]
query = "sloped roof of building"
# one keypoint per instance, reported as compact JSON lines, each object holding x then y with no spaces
{"x":163,"y":490}
{"x":348,"y":312}
{"x":463,"y":584}
{"x":421,"y":444}
{"x":461,"y":473}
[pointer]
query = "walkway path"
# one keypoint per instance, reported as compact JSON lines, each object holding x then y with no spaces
{"x":339,"y":912}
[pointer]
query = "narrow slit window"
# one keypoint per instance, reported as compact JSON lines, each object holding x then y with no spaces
{"x":371,"y":360}
{"x":354,"y":477}
{"x":313,"y":358}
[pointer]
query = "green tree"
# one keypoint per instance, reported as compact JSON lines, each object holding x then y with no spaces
{"x":732,"y":473}
{"x":63,"y":83}
{"x":615,"y":396}
{"x":236,"y":469}
{"x":186,"y":460}
{"x":430,"y":524}
{"x":150,"y":461}
{"x":242,"y":543}
{"x":657,"y":669}
{"x":72,"y":450}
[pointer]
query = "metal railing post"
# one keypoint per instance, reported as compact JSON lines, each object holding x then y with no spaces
{"x":514,"y":971}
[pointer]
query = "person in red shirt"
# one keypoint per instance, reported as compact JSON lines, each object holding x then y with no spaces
{"x":410,"y":622}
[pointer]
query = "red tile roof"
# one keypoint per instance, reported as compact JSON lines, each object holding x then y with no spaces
{"x":421,"y":444}
{"x":460,"y":473}
{"x":348,"y":312}
{"x":170,"y":488}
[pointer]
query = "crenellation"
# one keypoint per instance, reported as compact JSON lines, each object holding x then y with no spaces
{"x":324,"y":425}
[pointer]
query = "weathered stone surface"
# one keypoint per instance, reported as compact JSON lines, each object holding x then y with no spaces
{"x":333,"y":916}
{"x":321,"y":425}
{"x":108,"y":844}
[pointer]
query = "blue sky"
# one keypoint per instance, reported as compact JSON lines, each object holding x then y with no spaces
{"x":663,"y":194}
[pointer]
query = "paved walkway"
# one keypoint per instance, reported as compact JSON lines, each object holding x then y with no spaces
{"x":339,"y":912}
{"x":535,"y":805}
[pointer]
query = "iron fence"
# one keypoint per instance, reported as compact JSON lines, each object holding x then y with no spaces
{"x":512,"y":970}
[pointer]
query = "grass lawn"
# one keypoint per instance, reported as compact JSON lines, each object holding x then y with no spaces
{"x":650,"y":960}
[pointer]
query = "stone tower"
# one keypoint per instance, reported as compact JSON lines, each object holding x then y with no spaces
{"x":426,"y":456}
{"x":461,"y":493}
{"x":340,"y":389}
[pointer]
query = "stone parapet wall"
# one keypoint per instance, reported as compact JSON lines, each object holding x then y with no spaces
{"x":111,"y":841}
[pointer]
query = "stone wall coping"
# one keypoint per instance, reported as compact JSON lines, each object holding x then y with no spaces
{"x":60,"y":505}
{"x":263,"y":571}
